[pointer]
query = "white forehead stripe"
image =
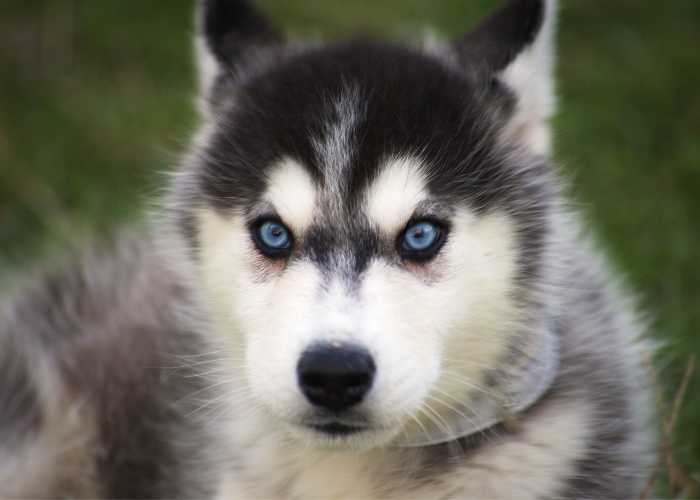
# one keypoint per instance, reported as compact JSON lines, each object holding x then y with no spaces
{"x":393,"y":197}
{"x":335,"y":149}
{"x":292,"y":192}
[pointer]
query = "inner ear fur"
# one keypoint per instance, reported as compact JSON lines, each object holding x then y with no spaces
{"x":498,"y":40}
{"x":515,"y":45}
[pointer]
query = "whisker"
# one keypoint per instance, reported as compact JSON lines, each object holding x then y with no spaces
{"x":432,"y":419}
{"x":226,"y":394}
{"x":462,"y":379}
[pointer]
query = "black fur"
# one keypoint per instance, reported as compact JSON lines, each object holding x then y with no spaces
{"x":496,"y":41}
{"x":231,"y":27}
{"x":411,"y":105}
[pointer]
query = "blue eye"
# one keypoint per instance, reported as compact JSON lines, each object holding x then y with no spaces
{"x":274,"y":235}
{"x":421,"y":237}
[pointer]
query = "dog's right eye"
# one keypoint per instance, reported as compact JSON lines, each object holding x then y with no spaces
{"x":421,"y":240}
{"x":273,"y":239}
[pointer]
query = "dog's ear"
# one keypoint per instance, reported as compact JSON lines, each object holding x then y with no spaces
{"x":515,"y":45}
{"x":229,"y":32}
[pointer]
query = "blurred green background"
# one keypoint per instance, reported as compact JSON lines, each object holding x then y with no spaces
{"x":96,"y":101}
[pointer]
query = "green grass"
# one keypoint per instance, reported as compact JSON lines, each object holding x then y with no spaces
{"x":96,"y":96}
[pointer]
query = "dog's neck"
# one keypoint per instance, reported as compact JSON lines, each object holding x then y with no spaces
{"x":522,"y":385}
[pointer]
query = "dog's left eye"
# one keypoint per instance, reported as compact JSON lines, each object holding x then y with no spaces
{"x":273,"y":239}
{"x":274,"y":234}
{"x":421,"y":240}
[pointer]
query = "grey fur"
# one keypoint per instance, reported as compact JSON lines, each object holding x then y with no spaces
{"x":114,"y":346}
{"x":111,"y":335}
{"x":20,"y":417}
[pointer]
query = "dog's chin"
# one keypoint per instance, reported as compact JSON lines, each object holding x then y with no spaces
{"x":341,"y":436}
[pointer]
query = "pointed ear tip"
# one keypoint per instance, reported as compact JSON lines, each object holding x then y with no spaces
{"x":231,"y":27}
{"x":217,"y":17}
{"x":497,"y":40}
{"x":550,"y":7}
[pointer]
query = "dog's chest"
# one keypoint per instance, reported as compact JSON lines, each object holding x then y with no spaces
{"x":530,"y":464}
{"x":271,"y":472}
{"x":333,"y":475}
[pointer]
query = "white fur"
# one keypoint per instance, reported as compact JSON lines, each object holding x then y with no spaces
{"x":531,"y":76}
{"x":528,"y":465}
{"x":293,"y":194}
{"x":394,"y":195}
{"x":410,"y":327}
{"x":475,"y":309}
{"x":433,"y":329}
{"x":207,"y":68}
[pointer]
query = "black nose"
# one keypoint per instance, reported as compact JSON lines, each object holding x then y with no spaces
{"x":335,"y":377}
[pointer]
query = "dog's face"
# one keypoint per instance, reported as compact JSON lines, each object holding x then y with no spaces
{"x":368,"y":223}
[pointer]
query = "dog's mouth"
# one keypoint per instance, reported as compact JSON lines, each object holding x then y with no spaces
{"x":341,"y":432}
{"x":337,"y":429}
{"x":337,"y":426}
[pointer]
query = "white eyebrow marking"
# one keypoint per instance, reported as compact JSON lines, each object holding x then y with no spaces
{"x":293,"y":194}
{"x":392,"y":198}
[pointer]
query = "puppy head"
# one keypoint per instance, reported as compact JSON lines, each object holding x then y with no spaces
{"x":368,"y":221}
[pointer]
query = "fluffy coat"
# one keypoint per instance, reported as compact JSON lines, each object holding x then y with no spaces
{"x":168,"y":366}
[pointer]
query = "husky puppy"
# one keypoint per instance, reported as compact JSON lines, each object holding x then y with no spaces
{"x":367,"y":288}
